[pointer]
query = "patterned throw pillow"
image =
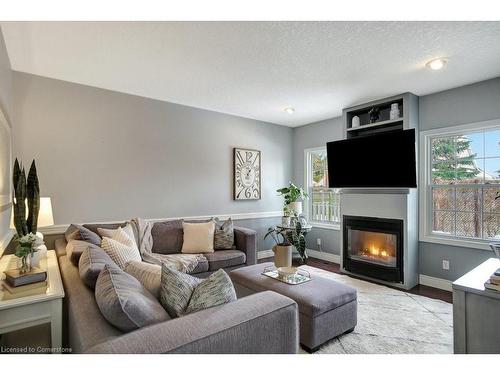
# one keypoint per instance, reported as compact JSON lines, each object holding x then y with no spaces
{"x":176,"y":290}
{"x":110,"y":233}
{"x":182,"y":293}
{"x":124,"y":302}
{"x":78,"y":232}
{"x":215,"y":290}
{"x":224,"y":234}
{"x":121,"y":248}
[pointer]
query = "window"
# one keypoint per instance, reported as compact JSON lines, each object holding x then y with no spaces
{"x":463,"y":184}
{"x":323,"y":204}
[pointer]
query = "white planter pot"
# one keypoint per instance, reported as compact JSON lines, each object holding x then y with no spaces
{"x":295,"y":207}
{"x":38,"y":255}
{"x":282,"y":256}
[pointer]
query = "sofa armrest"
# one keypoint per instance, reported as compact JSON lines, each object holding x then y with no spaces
{"x":60,"y":247}
{"x":246,"y":241}
{"x":265,"y":322}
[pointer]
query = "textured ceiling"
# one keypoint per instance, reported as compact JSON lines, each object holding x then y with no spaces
{"x":256,"y":69}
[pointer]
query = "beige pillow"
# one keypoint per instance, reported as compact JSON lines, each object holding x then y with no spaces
{"x":198,"y":238}
{"x":121,"y":248}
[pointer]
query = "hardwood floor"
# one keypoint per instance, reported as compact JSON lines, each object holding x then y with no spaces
{"x":420,"y":290}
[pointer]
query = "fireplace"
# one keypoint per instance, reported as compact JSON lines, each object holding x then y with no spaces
{"x":373,"y":247}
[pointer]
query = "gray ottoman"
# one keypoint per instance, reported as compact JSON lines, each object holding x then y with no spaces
{"x":326,"y":307}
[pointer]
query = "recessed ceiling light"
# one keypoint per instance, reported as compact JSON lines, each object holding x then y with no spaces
{"x":437,"y":64}
{"x":289,"y":110}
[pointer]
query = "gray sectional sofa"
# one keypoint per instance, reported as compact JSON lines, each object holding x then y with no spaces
{"x":262,"y":323}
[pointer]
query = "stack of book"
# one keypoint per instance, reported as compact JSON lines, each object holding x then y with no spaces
{"x":17,"y":284}
{"x":494,"y":282}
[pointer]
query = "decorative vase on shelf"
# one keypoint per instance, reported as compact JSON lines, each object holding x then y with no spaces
{"x":355,"y":122}
{"x":295,"y":208}
{"x":282,"y":256}
{"x":374,"y":114}
{"x":394,"y":113}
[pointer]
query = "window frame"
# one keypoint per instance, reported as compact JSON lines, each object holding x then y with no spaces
{"x":426,"y":233}
{"x":307,"y":178}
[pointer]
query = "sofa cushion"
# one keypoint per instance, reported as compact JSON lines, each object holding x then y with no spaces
{"x":75,"y":249}
{"x":225,"y":258}
{"x":202,"y":266}
{"x":224,"y":234}
{"x":215,"y":290}
{"x":79,"y":232}
{"x":198,"y":238}
{"x":176,"y":290}
{"x":183,"y":294}
{"x":121,"y":248}
{"x":93,"y":227}
{"x":167,"y":237}
{"x":124,"y":302}
{"x":149,"y":275}
{"x":91,"y":264}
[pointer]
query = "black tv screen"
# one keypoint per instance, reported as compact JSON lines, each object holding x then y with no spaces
{"x":384,"y":160}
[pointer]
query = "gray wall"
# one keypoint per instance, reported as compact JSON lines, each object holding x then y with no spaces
{"x":309,"y":136}
{"x":6,"y":106}
{"x":467,"y":104}
{"x":105,"y":156}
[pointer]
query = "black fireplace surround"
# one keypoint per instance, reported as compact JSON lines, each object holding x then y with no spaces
{"x":373,"y":247}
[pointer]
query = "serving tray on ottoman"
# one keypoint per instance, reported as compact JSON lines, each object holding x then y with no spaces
{"x":327,"y":308}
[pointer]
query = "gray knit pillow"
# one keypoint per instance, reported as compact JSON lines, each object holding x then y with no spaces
{"x":91,"y":264}
{"x":182,"y":293}
{"x":176,"y":290}
{"x":124,"y":302}
{"x":224,"y":234}
{"x":215,"y":290}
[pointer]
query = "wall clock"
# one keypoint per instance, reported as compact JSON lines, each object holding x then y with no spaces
{"x":247,"y":176}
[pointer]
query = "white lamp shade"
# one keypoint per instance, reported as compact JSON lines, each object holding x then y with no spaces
{"x":45,"y":216}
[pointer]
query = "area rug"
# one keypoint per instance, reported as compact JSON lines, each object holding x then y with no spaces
{"x":392,"y":321}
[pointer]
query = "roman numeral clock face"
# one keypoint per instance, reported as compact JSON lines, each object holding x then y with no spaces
{"x":246,"y":174}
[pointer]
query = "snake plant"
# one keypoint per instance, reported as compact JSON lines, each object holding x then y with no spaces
{"x":26,"y":190}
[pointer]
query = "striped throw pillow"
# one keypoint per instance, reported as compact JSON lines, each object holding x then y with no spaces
{"x":121,"y":248}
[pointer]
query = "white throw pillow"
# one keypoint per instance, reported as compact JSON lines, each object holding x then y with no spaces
{"x":198,"y":238}
{"x":121,"y":248}
{"x":110,"y":233}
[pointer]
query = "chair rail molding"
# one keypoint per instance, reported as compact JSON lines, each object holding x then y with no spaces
{"x":61,"y":228}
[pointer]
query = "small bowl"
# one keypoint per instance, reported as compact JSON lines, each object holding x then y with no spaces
{"x":285,"y":272}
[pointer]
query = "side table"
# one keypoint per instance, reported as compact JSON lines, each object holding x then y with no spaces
{"x":24,"y":312}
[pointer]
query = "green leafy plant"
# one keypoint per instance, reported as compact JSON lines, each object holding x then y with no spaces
{"x":296,"y":238}
{"x":292,"y":193}
{"x":278,"y":235}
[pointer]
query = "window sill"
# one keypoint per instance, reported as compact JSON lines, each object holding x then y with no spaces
{"x":454,"y":241}
{"x":324,"y":225}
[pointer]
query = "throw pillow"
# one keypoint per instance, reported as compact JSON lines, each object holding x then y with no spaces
{"x":215,"y":290}
{"x":148,"y":274}
{"x":124,"y":302}
{"x":105,"y":232}
{"x":198,"y":238}
{"x":224,"y":234}
{"x":79,"y":232}
{"x":181,"y":293}
{"x":75,"y":249}
{"x":167,"y":237}
{"x":121,"y":248}
{"x":176,"y":290}
{"x":91,"y":264}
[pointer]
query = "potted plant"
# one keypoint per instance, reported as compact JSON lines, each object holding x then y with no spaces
{"x":298,"y":240}
{"x":26,"y":192}
{"x":292,"y":195}
{"x":283,"y":248}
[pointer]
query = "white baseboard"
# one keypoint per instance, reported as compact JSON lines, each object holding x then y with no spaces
{"x":312,"y":254}
{"x":435,"y":282}
{"x":334,"y":258}
{"x":265,"y":254}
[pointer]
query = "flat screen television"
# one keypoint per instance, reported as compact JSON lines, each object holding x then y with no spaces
{"x":385,"y":160}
